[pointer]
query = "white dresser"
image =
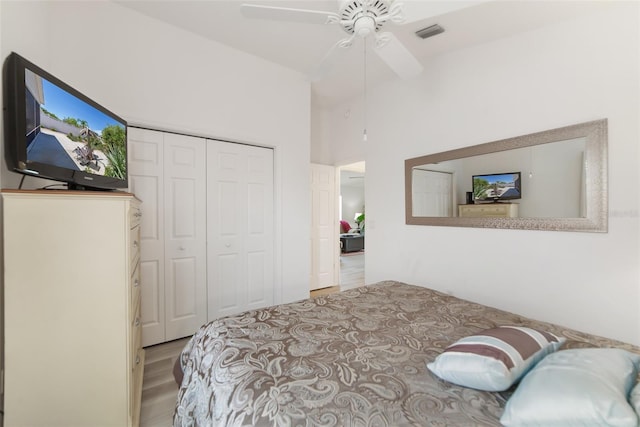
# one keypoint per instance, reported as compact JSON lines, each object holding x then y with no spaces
{"x":489,"y":210}
{"x":73,"y":354}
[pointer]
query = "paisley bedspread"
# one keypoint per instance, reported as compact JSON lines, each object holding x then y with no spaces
{"x":355,"y":358}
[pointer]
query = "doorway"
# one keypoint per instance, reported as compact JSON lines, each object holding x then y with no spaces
{"x":351,"y":211}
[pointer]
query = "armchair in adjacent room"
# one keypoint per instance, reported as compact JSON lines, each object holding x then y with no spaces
{"x":345,"y":227}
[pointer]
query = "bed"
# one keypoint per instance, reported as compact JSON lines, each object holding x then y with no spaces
{"x":354,"y":358}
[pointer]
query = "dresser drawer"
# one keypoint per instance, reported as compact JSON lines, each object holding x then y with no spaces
{"x":136,"y":389}
{"x":136,"y":337}
{"x":137,"y":369}
{"x":134,"y":241}
{"x":136,"y":332}
{"x":498,"y":210}
{"x":135,"y":214}
{"x":135,"y":289}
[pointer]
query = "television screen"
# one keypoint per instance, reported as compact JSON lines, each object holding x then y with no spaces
{"x":497,"y":186}
{"x":55,"y":132}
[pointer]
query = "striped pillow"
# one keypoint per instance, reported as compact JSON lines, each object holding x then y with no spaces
{"x":494,"y":359}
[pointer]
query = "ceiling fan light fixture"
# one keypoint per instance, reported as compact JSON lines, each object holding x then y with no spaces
{"x":364,"y":26}
{"x":430,"y":31}
{"x":352,"y":10}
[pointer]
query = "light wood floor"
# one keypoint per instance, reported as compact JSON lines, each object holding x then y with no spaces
{"x":351,"y":270}
{"x":159,"y":390}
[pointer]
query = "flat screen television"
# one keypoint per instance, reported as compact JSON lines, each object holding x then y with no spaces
{"x":497,"y":187}
{"x":53,"y":131}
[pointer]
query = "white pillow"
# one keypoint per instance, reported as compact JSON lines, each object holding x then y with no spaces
{"x":494,"y":359}
{"x":579,"y":387}
{"x":634,"y":399}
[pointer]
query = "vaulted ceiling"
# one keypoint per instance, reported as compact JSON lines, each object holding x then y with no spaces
{"x":302,"y":46}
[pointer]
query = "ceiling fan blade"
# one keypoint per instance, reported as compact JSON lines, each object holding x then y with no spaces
{"x":395,"y":15}
{"x":397,"y":56}
{"x":288,"y":14}
{"x":333,"y":56}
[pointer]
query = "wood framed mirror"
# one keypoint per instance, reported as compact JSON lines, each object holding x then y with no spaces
{"x":550,"y":180}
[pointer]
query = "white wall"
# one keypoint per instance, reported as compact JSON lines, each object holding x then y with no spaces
{"x":158,"y":76}
{"x":320,"y":146}
{"x":572,"y":72}
{"x":352,"y":202}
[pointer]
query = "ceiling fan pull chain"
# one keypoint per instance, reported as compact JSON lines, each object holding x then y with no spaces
{"x":364,"y":135}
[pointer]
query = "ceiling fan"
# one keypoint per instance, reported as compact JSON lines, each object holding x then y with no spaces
{"x":359,"y":19}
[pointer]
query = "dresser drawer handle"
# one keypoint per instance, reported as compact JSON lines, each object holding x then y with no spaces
{"x":137,"y":359}
{"x":136,"y":283}
{"x":135,"y":243}
{"x":137,"y":322}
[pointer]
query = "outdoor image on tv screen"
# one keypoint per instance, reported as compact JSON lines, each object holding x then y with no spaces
{"x":496,"y":186}
{"x":64,"y":131}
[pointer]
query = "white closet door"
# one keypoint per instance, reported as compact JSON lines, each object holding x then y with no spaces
{"x":146,"y":166}
{"x":185,"y":235}
{"x":240,"y":228}
{"x":324,"y":234}
{"x":167,"y":172}
{"x":432,"y":193}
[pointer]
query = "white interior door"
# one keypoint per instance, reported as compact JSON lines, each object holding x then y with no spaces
{"x":432,"y":193}
{"x":167,"y":173}
{"x":146,"y":171}
{"x":240,"y":228}
{"x":324,"y":226}
{"x":185,"y":234}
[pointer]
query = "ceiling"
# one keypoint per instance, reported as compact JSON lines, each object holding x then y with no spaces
{"x":352,"y":175}
{"x":302,"y":46}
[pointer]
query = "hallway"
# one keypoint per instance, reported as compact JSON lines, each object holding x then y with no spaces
{"x":351,"y":270}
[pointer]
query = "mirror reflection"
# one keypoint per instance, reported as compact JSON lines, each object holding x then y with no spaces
{"x":544,"y":181}
{"x":550,"y":180}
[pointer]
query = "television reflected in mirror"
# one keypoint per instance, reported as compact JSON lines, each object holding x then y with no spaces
{"x":496,"y":187}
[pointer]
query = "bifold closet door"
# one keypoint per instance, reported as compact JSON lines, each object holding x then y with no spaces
{"x":240,"y":228}
{"x":146,"y":172}
{"x":185,"y":213}
{"x":168,"y":173}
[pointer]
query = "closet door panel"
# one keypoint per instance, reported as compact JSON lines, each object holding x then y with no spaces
{"x":149,"y":189}
{"x":183,"y":273}
{"x":151,"y":274}
{"x":261,"y":289}
{"x":225,"y":217}
{"x":230,"y":296}
{"x":146,"y":166}
{"x":240,"y":227}
{"x":259,"y":235}
{"x":185,"y":235}
{"x":227,"y":260}
{"x":226,"y":206}
{"x":183,"y":194}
